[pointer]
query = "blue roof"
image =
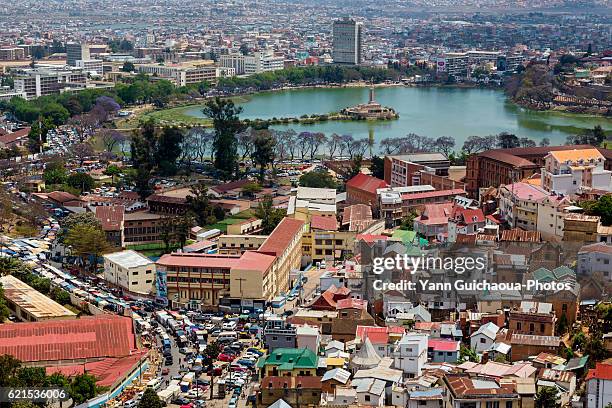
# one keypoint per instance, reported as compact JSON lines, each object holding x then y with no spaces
{"x":433,"y":392}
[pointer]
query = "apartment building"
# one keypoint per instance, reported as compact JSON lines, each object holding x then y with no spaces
{"x":41,"y":81}
{"x":319,"y":245}
{"x":533,"y":318}
{"x":573,"y":171}
{"x":595,"y":258}
{"x":493,"y":168}
{"x":458,"y":63}
{"x":551,"y":211}
{"x":130,"y":271}
{"x":91,"y":66}
{"x":250,"y":226}
{"x":599,"y":386}
{"x":518,"y":204}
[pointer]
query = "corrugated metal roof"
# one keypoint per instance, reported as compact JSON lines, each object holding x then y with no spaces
{"x":87,"y":337}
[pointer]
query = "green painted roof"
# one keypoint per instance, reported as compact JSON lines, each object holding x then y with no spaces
{"x":288,"y":359}
{"x":407,"y":237}
{"x":543,"y":275}
{"x":563,"y":271}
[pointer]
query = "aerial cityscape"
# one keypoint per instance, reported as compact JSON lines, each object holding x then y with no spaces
{"x":299,"y":204}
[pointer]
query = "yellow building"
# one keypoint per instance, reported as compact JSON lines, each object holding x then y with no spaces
{"x":250,"y":226}
{"x":580,"y":228}
{"x":238,"y":244}
{"x":285,"y":243}
{"x":327,"y":245}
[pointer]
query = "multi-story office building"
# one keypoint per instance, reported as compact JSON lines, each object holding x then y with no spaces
{"x":76,"y":51}
{"x":91,"y":66}
{"x":131,"y":271}
{"x":41,"y":81}
{"x":11,"y":54}
{"x":261,"y":61}
{"x":347,"y":41}
{"x":182,"y":75}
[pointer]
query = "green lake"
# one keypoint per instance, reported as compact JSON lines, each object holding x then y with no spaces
{"x":433,"y":112}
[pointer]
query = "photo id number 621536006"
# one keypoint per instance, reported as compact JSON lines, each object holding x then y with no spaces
{"x":33,"y":394}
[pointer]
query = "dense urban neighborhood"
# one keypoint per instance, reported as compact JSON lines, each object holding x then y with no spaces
{"x":305,"y":204}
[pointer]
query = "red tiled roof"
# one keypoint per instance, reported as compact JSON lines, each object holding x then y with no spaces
{"x":443,"y":345}
{"x":469,"y":215}
{"x":357,"y":217}
{"x":107,"y":371}
{"x":323,"y":223}
{"x":110,"y":216}
{"x":366,"y":183}
{"x":224,"y":188}
{"x":432,"y":194}
{"x":62,"y":196}
{"x":601,"y":371}
{"x":377,"y":335}
{"x":435,"y":214}
{"x":351,"y":303}
{"x":9,"y":138}
{"x":87,"y":337}
{"x":278,"y":241}
{"x":369,"y":238}
{"x":256,"y":261}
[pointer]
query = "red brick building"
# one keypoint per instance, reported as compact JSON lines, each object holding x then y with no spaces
{"x":361,"y":189}
{"x":506,"y":166}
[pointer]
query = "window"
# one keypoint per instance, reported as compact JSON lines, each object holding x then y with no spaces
{"x":482,"y":341}
{"x":508,"y":404}
{"x":519,"y":326}
{"x":367,"y":398}
{"x":542,"y":327}
{"x":531,"y":327}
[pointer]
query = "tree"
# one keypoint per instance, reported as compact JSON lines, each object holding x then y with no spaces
{"x":128,"y":67}
{"x":227,"y":124}
{"x":55,"y":173}
{"x":507,"y":140}
{"x":593,"y":137}
{"x":111,"y":138}
{"x":88,"y":240}
{"x":546,"y":397}
{"x":467,"y":354}
{"x":198,"y":204}
{"x":38,"y":133}
{"x":318,"y":179}
{"x":250,"y":189}
{"x":150,"y":399}
{"x":82,"y":151}
{"x":60,"y":296}
{"x":112,"y":171}
{"x":81,"y":181}
{"x":263,"y":153}
{"x":9,"y":366}
{"x":545,"y":142}
{"x":86,"y":218}
{"x":408,"y":221}
{"x":377,"y":167}
{"x":182,"y":228}
{"x":445,"y":144}
{"x":355,"y":168}
{"x":527,"y":142}
{"x":83,"y":388}
{"x":269,"y":215}
{"x":168,"y":150}
{"x":4,"y":310}
{"x":601,"y":208}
